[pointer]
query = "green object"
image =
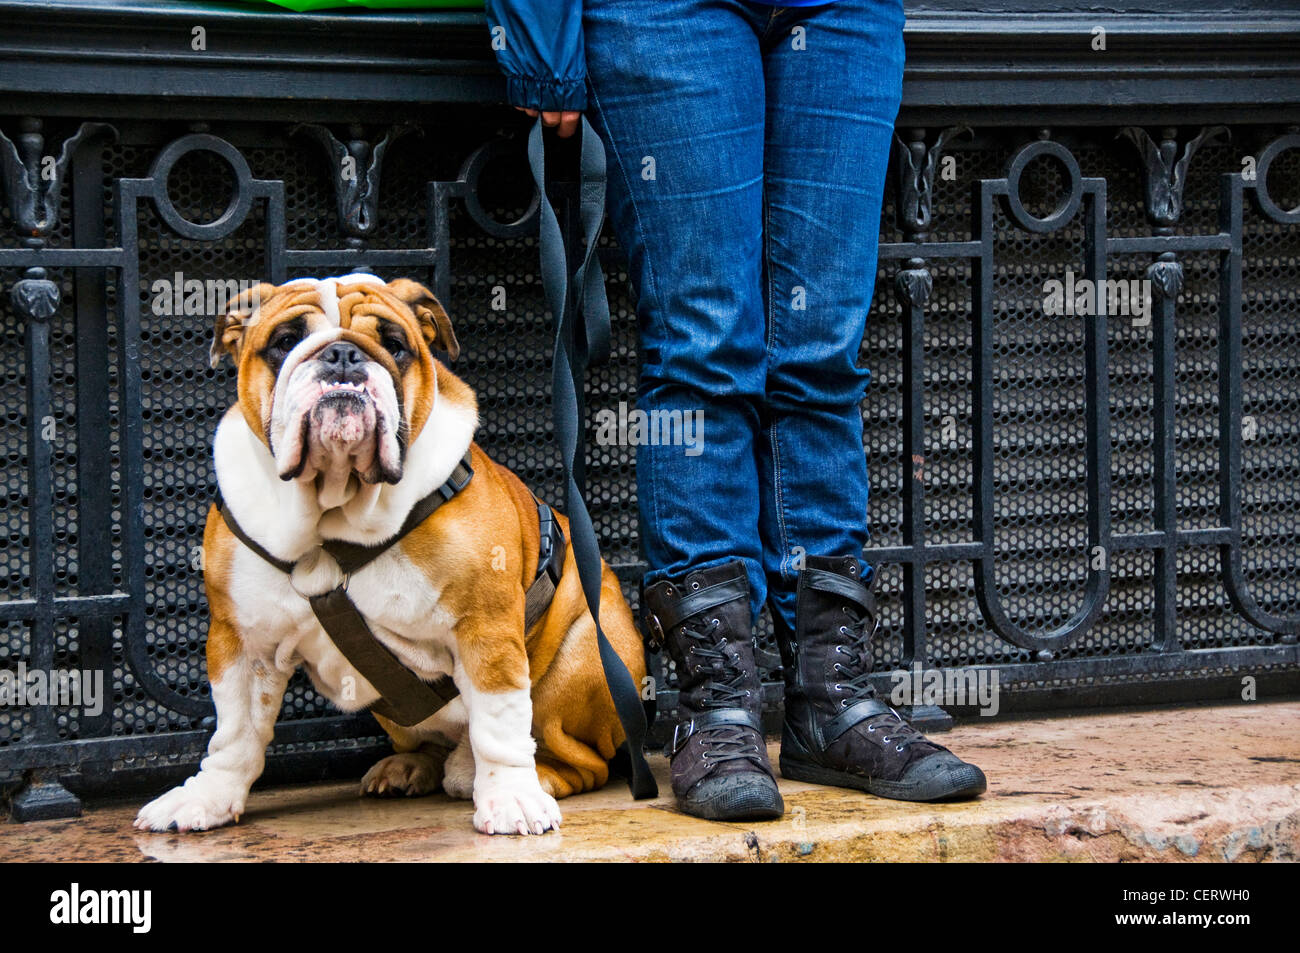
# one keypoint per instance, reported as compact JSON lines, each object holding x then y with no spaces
{"x":307,"y":6}
{"x":416,"y":4}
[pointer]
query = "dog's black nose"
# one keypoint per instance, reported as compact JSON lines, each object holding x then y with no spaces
{"x":342,"y":356}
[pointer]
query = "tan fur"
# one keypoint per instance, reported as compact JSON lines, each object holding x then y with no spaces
{"x":574,"y":721}
{"x":224,"y":645}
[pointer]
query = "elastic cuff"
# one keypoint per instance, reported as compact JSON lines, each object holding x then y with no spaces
{"x":547,"y":95}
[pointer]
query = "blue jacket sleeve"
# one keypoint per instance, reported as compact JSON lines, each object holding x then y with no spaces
{"x":538,"y":44}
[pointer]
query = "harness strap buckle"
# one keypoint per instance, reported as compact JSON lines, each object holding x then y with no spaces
{"x":452,"y":485}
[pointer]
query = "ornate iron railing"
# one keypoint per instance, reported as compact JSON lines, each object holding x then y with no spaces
{"x":1101,"y":507}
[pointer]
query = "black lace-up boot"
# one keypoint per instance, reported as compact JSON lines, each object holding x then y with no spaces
{"x":836,"y":730}
{"x":719,"y":759}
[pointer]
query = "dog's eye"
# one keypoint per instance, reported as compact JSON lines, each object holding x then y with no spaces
{"x":283,"y":342}
{"x":394,"y":345}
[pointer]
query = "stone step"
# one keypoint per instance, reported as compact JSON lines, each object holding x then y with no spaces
{"x":1207,"y":783}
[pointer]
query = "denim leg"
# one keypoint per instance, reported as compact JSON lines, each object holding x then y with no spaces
{"x":676,"y":92}
{"x":833,"y":91}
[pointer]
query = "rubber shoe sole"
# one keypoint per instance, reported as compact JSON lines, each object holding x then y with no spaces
{"x":958,"y":782}
{"x":734,"y":797}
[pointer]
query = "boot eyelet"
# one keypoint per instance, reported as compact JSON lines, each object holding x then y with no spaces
{"x":871,"y":728}
{"x":898,"y":747}
{"x":695,"y":584}
{"x":838,"y":688}
{"x":844,"y":630}
{"x":885,"y":739}
{"x":837,"y":669}
{"x":844,"y":703}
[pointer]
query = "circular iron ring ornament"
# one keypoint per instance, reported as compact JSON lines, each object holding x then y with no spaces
{"x":1266,"y":203}
{"x":470,"y":173}
{"x":1066,"y":209}
{"x":240,"y":202}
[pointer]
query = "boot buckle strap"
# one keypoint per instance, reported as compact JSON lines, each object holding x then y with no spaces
{"x":683,"y":730}
{"x":854,"y":714}
{"x":695,"y":601}
{"x":855,"y":591}
{"x":655,"y":632}
{"x":658,"y":622}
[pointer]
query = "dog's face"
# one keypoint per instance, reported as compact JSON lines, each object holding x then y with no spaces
{"x":336,"y":376}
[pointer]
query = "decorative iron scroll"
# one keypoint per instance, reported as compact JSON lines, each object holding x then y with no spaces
{"x":79,"y":276}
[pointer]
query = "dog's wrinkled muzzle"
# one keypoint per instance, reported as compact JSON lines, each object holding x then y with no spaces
{"x":336,"y":413}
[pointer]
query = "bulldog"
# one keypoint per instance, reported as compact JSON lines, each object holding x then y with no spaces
{"x":344,"y":421}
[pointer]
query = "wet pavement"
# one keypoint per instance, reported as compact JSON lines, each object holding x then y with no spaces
{"x":1201,"y":783}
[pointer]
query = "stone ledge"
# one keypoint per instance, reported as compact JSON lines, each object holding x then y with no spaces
{"x":1175,"y":784}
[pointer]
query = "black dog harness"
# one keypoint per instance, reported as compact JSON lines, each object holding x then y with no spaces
{"x":405,"y":698}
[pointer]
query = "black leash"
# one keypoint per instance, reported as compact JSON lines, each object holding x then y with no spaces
{"x":586,"y":296}
{"x":411,"y":699}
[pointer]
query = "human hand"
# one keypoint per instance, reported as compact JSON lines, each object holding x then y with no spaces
{"x":567,"y":121}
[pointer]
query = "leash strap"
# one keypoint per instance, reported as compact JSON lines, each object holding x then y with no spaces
{"x":405,"y":698}
{"x":353,"y":556}
{"x":586,"y":296}
{"x":283,"y":565}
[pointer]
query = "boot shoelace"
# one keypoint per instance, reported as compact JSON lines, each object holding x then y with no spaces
{"x":724,"y":742}
{"x":857,"y":680}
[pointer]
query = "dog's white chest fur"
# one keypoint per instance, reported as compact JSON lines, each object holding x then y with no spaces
{"x":397,"y":599}
{"x":319,"y":456}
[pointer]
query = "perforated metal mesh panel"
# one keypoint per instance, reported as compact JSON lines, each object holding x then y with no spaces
{"x":1040,"y":393}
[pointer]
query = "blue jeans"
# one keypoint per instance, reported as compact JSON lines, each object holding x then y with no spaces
{"x":748,"y":146}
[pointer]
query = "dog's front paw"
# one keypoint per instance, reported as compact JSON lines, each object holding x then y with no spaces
{"x":458,"y":772}
{"x":413,"y":774}
{"x":511,"y":801}
{"x":199,"y":804}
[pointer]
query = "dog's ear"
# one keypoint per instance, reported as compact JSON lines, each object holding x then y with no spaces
{"x":228,"y":334}
{"x":434,"y":322}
